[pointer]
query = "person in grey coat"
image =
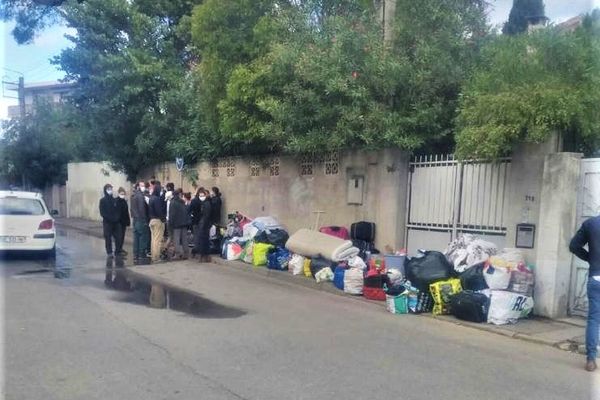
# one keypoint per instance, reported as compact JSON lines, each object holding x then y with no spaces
{"x":178,"y":225}
{"x":141,"y":219}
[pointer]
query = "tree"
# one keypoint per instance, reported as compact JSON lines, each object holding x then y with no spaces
{"x":520,"y":13}
{"x":40,"y":146}
{"x":530,"y":86}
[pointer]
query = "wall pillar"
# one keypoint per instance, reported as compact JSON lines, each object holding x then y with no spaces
{"x":556,"y":226}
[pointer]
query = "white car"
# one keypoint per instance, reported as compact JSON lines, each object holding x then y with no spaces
{"x":26,"y":224}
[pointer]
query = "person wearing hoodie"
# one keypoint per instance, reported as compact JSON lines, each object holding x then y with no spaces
{"x":178,"y":223}
{"x":156,"y":211}
{"x":141,"y":219}
{"x":124,"y":219}
{"x":111,"y":225}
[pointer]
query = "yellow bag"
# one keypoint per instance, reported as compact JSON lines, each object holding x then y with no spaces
{"x":441,"y":292}
{"x":259,"y":254}
{"x":307,"y":271}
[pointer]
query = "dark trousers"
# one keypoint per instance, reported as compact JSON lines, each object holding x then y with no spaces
{"x":141,"y":239}
{"x":112,"y":231}
{"x":201,"y":240}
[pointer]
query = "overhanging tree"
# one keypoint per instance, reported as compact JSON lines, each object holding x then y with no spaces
{"x":521,"y":13}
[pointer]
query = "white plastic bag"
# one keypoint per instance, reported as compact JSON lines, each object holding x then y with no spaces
{"x":395,"y":276}
{"x":357,"y":262}
{"x":353,"y":281}
{"x":507,"y":307}
{"x":496,"y":276}
{"x":296,"y":264}
{"x":324,"y":274}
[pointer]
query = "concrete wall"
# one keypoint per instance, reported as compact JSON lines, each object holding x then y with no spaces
{"x":84,"y":187}
{"x":294,"y":198}
{"x":55,"y":197}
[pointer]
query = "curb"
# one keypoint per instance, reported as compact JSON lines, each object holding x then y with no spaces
{"x":284,"y":277}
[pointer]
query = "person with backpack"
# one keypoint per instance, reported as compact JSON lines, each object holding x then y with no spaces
{"x":111,"y":225}
{"x":589,"y":234}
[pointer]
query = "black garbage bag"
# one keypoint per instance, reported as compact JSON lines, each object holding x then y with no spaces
{"x":472,"y":278}
{"x":470,"y":306}
{"x":423,"y":271}
{"x":276,"y":237}
{"x":318,"y":263}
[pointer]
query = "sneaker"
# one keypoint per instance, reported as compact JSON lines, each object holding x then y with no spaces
{"x":590,"y":365}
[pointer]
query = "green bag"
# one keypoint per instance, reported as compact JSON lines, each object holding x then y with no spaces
{"x":259,"y":254}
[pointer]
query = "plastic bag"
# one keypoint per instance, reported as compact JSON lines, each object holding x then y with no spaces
{"x":497,"y":276}
{"x":306,"y":268}
{"x":507,"y":307}
{"x":473,"y":279}
{"x":234,"y":251}
{"x":431,"y":267}
{"x":296,"y":264}
{"x":522,"y":280}
{"x":324,"y":274}
{"x":397,"y":304}
{"x":441,"y":292}
{"x":395,"y":276}
{"x":353,"y":281}
{"x":246,"y":255}
{"x":278,"y":258}
{"x":259,"y":255}
{"x":357,"y":262}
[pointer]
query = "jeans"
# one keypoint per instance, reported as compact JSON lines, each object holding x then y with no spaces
{"x":180,"y":240}
{"x":157,"y":230}
{"x":593,"y":321}
{"x":141,"y":239}
{"x":112,"y":230}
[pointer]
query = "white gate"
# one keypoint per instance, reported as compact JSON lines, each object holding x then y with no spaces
{"x":447,"y":197}
{"x":588,"y":205}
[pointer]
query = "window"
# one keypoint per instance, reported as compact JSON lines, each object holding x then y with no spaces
{"x":274,"y":166}
{"x":332,"y":166}
{"x":17,"y":206}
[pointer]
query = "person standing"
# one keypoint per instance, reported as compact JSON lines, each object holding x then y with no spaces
{"x":156,"y":211}
{"x":216,"y":203}
{"x":124,"y":219}
{"x":203,"y":216}
{"x":110,"y":220}
{"x":178,"y":223}
{"x":589,"y":234}
{"x":141,"y":219}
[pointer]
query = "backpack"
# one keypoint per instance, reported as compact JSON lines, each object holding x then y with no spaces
{"x":363,"y":231}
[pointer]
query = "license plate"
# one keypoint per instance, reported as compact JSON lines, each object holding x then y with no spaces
{"x":13,"y":239}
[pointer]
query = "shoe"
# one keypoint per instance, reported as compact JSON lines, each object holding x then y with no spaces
{"x":109,"y":255}
{"x":122,"y":253}
{"x":590,"y":365}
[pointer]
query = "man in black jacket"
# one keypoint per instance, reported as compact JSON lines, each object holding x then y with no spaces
{"x":156,"y":211}
{"x":178,"y":223}
{"x":141,"y":220}
{"x":110,"y":220}
{"x":589,"y":234}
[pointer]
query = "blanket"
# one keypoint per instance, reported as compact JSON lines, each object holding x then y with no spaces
{"x":310,"y":243}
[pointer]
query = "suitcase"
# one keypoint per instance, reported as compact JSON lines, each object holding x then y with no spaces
{"x":363,"y":231}
{"x":337,"y":231}
{"x":470,"y":306}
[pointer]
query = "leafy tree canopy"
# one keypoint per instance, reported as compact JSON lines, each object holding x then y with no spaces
{"x":521,"y":13}
{"x":529,"y":86}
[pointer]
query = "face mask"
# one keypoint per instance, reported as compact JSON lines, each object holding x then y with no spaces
{"x":121,"y":195}
{"x":202,"y":198}
{"x":109,"y":192}
{"x":142,"y":188}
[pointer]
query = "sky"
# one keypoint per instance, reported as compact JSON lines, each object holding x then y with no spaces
{"x":32,"y":61}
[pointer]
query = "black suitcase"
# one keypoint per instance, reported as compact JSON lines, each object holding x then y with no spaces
{"x":363,"y":231}
{"x":470,"y":306}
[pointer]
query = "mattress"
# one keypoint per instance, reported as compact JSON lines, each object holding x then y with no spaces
{"x":311,"y":243}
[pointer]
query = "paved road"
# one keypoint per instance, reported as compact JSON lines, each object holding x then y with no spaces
{"x":68,"y":336}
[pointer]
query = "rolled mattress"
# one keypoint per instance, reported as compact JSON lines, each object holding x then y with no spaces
{"x":311,"y":243}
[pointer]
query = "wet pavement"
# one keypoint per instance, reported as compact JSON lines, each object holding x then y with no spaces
{"x":76,"y":328}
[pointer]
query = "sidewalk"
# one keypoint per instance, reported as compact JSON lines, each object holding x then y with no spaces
{"x":565,"y":334}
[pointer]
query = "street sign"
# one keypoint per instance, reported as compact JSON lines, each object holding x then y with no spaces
{"x":179,"y":163}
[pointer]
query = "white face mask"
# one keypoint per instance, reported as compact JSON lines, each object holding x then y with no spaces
{"x":142,"y":188}
{"x":121,"y":195}
{"x":202,"y":198}
{"x":109,"y":192}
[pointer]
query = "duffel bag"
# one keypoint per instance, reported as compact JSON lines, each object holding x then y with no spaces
{"x":470,"y":306}
{"x":431,"y":267}
{"x":276,"y":237}
{"x":363,"y":231}
{"x":337,"y":231}
{"x":338,"y":277}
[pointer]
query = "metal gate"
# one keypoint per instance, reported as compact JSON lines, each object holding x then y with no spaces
{"x":588,"y":205}
{"x":447,"y":197}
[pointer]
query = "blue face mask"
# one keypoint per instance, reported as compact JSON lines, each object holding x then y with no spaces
{"x":109,"y":192}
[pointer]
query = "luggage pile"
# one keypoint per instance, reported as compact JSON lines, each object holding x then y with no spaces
{"x":471,"y":279}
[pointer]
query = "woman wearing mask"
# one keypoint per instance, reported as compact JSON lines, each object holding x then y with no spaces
{"x":215,"y":205}
{"x":202,"y":218}
{"x":178,"y":223}
{"x":123,"y":218}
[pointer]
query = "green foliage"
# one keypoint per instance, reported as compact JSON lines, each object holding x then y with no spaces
{"x":39,"y":146}
{"x":530,"y":86}
{"x":520,"y":12}
{"x":30,"y":16}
